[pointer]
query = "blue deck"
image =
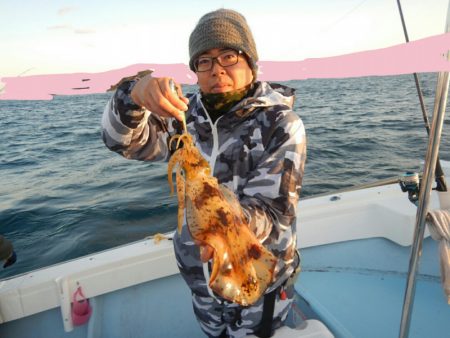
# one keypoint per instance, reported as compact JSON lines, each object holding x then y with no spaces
{"x":356,"y":288}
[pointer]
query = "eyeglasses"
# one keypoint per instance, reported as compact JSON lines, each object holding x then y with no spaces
{"x":225,"y":59}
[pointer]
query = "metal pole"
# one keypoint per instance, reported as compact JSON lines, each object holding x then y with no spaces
{"x":424,"y":196}
{"x":440,"y":104}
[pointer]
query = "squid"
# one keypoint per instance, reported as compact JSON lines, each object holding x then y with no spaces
{"x":242,"y":268}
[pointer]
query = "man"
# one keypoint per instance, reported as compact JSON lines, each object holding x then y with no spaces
{"x":254,"y":143}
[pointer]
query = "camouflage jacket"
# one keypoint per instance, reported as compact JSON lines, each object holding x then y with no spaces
{"x":257,"y":149}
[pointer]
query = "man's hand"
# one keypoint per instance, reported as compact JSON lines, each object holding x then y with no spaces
{"x":155,"y":94}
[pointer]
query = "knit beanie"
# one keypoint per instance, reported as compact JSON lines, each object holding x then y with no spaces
{"x":223,"y":28}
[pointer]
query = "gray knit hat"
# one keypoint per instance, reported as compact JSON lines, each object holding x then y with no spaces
{"x":223,"y":28}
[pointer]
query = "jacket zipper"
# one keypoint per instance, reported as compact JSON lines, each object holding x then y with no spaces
{"x":215,"y":147}
{"x":212,"y":163}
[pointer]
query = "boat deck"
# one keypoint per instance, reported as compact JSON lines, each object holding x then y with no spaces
{"x":356,"y":288}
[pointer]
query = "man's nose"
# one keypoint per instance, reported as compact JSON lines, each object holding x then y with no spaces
{"x":217,"y":68}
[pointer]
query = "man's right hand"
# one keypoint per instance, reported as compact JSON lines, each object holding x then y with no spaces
{"x":155,"y":94}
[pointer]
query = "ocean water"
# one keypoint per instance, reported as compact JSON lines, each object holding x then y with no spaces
{"x":63,"y":194}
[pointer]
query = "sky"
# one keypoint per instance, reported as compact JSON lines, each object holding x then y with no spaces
{"x":62,"y":37}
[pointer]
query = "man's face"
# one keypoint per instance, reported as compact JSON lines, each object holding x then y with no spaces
{"x":220,"y":79}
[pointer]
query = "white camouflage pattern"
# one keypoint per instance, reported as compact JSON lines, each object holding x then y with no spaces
{"x":258,"y":151}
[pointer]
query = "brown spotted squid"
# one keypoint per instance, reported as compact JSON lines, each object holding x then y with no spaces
{"x":242,"y":268}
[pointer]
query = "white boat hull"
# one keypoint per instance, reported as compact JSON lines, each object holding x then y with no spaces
{"x":139,"y":285}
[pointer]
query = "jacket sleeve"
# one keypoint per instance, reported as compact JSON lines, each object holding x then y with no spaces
{"x":132,"y":131}
{"x":271,"y":195}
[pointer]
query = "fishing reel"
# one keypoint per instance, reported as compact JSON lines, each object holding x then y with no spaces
{"x":410,"y":182}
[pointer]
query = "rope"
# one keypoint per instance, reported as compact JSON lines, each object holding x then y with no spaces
{"x":439,"y":225}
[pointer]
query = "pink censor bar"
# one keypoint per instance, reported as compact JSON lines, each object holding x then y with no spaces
{"x":420,"y":56}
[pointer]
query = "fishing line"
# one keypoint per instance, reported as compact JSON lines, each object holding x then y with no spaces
{"x":344,"y":16}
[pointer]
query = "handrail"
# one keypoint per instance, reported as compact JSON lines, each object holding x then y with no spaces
{"x":440,"y":104}
{"x":374,"y":184}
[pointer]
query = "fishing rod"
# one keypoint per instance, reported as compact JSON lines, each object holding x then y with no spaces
{"x":439,"y":174}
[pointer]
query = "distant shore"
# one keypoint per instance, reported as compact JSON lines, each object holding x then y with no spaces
{"x":420,"y":56}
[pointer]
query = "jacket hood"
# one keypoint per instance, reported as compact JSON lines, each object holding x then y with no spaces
{"x":269,"y":94}
{"x":265,"y":95}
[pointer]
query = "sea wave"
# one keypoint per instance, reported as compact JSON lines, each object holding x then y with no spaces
{"x":64,"y":195}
